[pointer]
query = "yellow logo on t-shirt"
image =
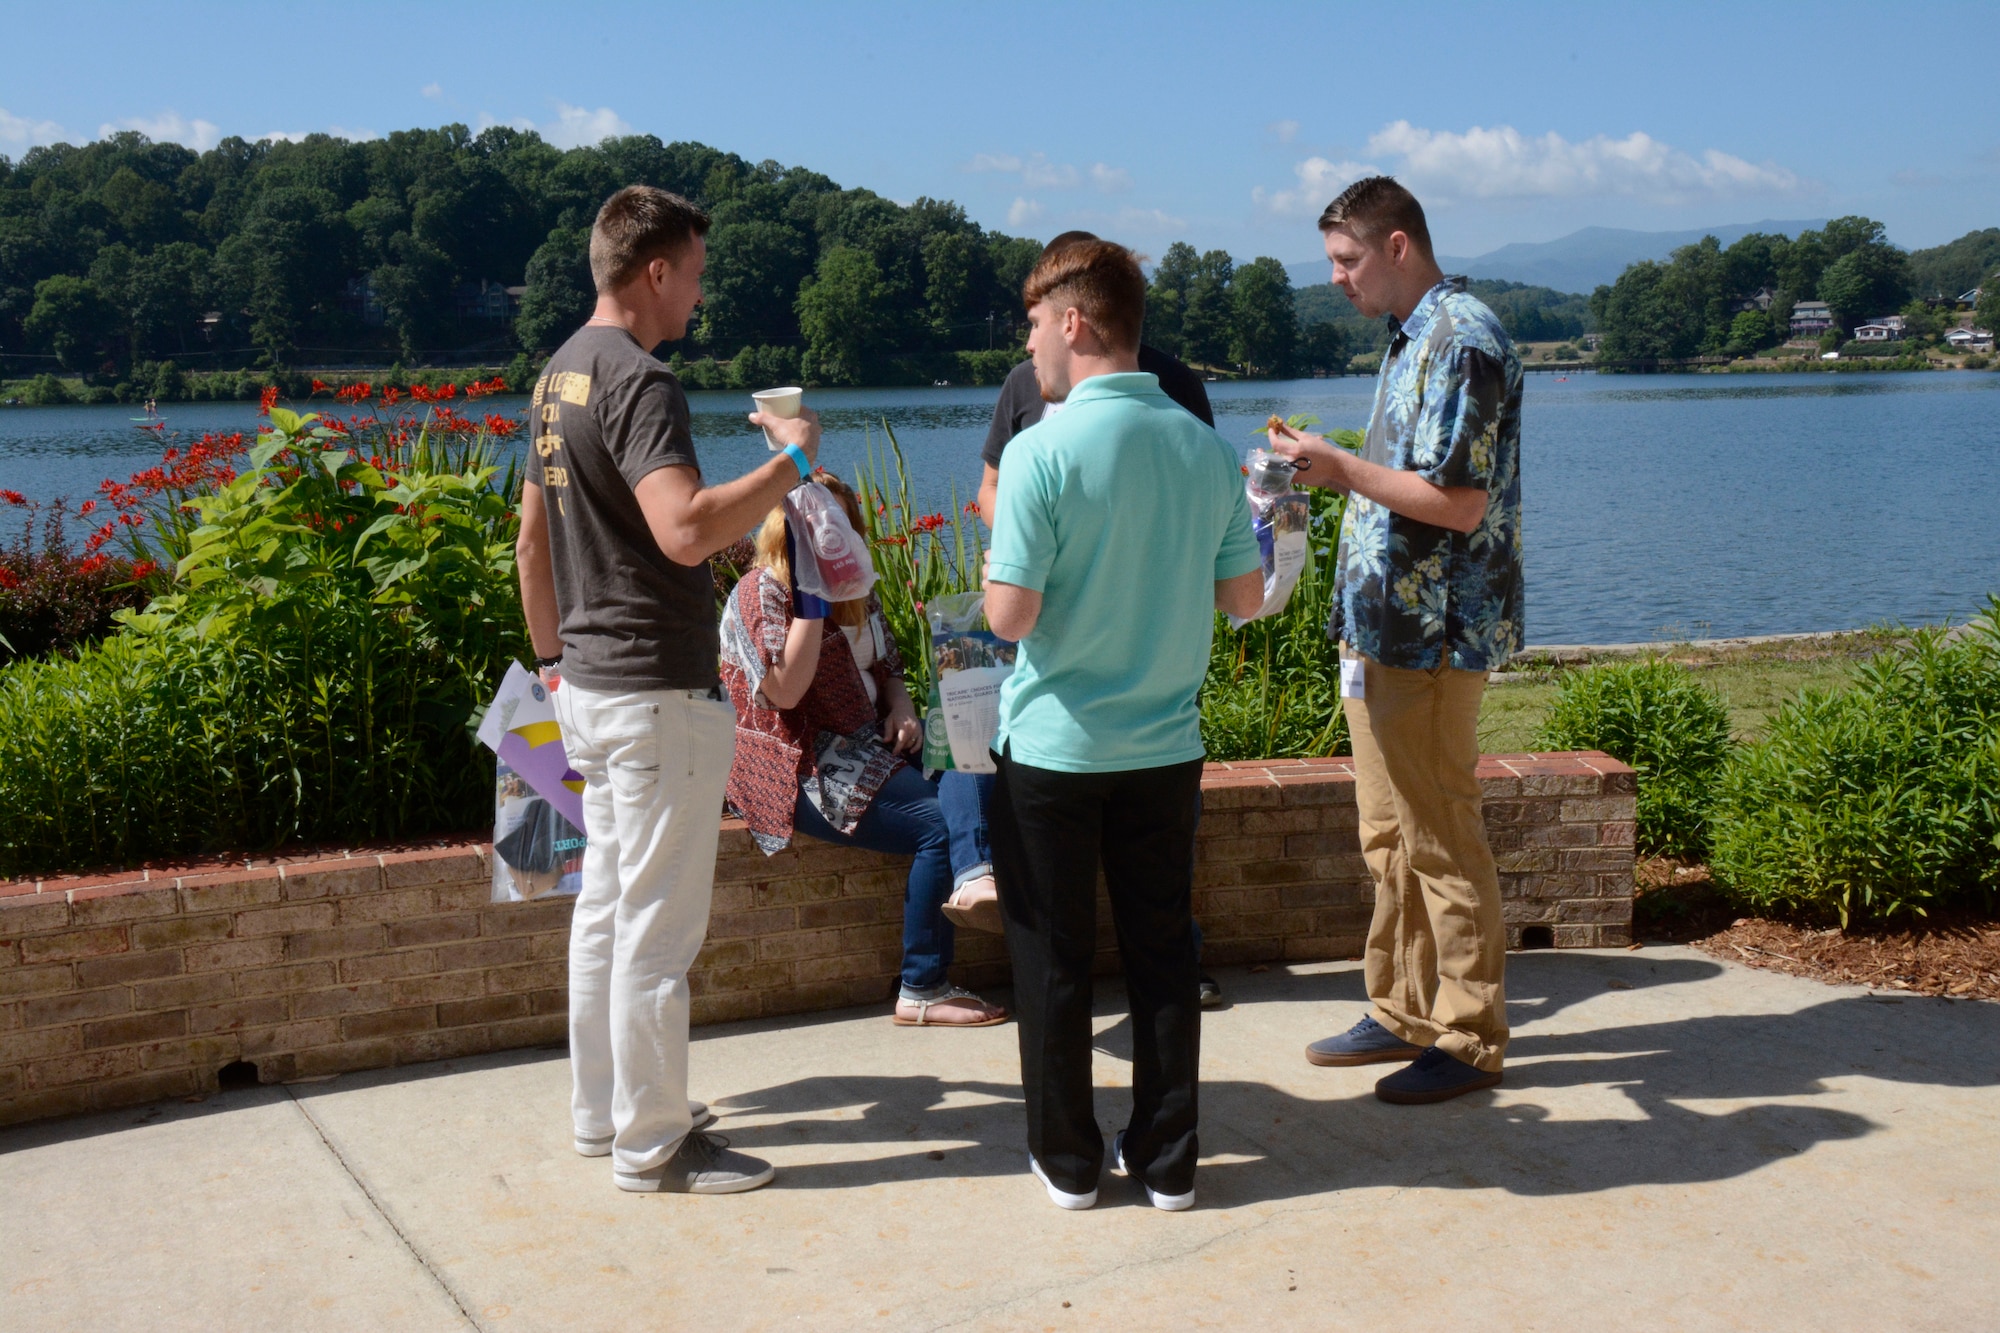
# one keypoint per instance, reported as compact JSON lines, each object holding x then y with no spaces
{"x":568,"y":385}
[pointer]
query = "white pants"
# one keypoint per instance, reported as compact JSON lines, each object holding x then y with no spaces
{"x":654,"y":764}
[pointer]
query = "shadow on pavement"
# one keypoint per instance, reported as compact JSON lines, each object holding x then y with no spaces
{"x":1262,"y":1143}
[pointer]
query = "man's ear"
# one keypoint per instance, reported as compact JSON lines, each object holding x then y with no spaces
{"x":1397,"y":247}
{"x":1074,"y":327}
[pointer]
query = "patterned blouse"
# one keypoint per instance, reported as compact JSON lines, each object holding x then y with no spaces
{"x":827,"y":745}
{"x":1447,"y":407}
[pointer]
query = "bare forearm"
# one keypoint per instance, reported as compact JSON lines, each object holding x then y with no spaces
{"x":708,"y":518}
{"x":792,"y":674}
{"x":538,"y":580}
{"x":1459,"y":508}
{"x":1242,"y":596}
{"x":989,"y":493}
{"x":1012,"y":611}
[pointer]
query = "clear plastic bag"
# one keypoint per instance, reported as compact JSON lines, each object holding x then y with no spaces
{"x":536,"y":852}
{"x":831,"y":559}
{"x":969,"y":662}
{"x":1280,"y":516}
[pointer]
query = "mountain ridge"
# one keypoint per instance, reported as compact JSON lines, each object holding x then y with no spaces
{"x":1580,"y":261}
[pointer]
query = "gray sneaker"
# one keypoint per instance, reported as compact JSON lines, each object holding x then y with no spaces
{"x":698,"y":1112}
{"x":704,"y":1164}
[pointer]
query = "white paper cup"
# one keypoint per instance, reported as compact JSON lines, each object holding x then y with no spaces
{"x":783,"y":403}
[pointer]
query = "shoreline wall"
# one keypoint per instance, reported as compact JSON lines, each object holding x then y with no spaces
{"x":121,"y":989}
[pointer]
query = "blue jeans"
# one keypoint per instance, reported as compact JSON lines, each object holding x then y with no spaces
{"x":964,"y":798}
{"x":905,"y":819}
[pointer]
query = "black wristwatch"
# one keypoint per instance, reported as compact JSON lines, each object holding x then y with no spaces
{"x":548,"y":663}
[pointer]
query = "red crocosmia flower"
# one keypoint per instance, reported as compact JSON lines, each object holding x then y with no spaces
{"x":91,"y":564}
{"x":972,"y":506}
{"x":143,"y":569}
{"x":319,"y":386}
{"x":422,"y":393}
{"x":88,"y":508}
{"x":391,"y":396}
{"x":501,"y":426}
{"x":927,"y":523}
{"x":130,"y":520}
{"x":267,"y":400}
{"x":893,"y":541}
{"x":448,"y":391}
{"x":8,"y":578}
{"x":13,"y":497}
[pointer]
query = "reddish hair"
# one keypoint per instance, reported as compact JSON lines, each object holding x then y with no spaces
{"x":1101,"y":280}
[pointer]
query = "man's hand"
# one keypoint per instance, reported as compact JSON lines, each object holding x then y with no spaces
{"x":1459,"y":508}
{"x":1320,"y":463}
{"x":802,"y":430}
{"x":901,"y":729}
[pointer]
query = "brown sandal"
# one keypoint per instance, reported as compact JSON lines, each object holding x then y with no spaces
{"x":956,"y":1008}
{"x":975,"y":905}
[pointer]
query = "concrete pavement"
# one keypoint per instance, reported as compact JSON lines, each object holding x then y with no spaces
{"x":1679,"y":1144}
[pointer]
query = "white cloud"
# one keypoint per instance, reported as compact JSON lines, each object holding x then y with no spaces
{"x":1284,"y":131}
{"x":1148,"y":220}
{"x":1111,"y":180}
{"x":1319,"y":181}
{"x":573,"y":127}
{"x":336,"y":131}
{"x":20,"y":133}
{"x":433,"y":91}
{"x":578,"y":127}
{"x":1022,"y":212}
{"x":1037,"y":172}
{"x":1503,"y":163}
{"x":168,"y":127}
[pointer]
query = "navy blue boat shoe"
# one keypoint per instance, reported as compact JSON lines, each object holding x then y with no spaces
{"x":1434,"y":1077}
{"x":1366,"y":1043}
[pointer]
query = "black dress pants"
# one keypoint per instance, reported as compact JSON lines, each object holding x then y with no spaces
{"x":1050,"y":830}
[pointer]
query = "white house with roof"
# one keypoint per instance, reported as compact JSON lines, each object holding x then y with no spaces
{"x":1969,"y":340}
{"x":1888,"y":328}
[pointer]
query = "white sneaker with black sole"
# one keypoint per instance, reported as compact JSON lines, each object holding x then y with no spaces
{"x":697,"y":1112}
{"x":1062,"y":1198}
{"x":703,"y":1164}
{"x":1166,"y":1203}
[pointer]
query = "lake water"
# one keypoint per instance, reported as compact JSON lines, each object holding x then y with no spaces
{"x":1698,"y":505}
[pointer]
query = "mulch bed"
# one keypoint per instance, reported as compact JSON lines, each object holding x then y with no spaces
{"x":1953,"y":954}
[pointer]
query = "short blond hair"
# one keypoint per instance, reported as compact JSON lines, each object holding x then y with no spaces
{"x":637,"y":225}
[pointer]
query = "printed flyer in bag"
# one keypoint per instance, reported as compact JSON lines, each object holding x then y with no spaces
{"x":969,"y":663}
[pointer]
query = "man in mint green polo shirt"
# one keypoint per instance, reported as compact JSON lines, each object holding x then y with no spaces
{"x":1121,"y":529}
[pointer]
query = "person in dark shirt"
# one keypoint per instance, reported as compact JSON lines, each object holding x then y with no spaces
{"x":1021,"y":405}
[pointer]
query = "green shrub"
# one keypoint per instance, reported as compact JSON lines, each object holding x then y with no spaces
{"x":1658,"y":718}
{"x":1976,"y":362}
{"x":333,"y":627}
{"x":46,"y":391}
{"x":1880,"y":799}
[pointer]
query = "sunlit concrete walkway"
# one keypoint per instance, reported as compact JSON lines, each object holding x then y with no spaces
{"x":1679,"y":1144}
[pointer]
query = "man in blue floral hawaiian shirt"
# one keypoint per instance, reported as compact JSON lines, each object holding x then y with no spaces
{"x":1428,"y":595}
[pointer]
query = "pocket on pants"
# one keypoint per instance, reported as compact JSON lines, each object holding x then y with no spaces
{"x":628,"y":737}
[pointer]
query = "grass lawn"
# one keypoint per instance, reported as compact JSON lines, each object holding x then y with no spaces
{"x":1755,"y":679}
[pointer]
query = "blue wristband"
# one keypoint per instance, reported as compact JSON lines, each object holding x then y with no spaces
{"x":799,"y":461}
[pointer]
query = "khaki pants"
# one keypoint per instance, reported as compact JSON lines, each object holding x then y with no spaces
{"x":1437,"y":951}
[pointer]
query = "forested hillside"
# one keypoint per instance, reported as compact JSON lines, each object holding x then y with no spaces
{"x":1693,"y":304}
{"x":124,"y":250}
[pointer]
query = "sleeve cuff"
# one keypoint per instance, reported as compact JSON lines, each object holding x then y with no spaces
{"x":1018,"y":575}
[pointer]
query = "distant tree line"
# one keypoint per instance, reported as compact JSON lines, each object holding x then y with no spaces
{"x":1699,"y":302}
{"x":124,"y":251}
{"x":131,"y":261}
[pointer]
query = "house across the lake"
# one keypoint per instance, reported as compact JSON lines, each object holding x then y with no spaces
{"x":1969,"y":340}
{"x":1811,"y":318}
{"x":1888,"y":328}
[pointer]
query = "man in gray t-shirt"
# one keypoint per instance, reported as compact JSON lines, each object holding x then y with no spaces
{"x":616,"y":532}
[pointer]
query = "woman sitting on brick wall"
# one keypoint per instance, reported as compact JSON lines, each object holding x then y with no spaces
{"x":823,"y":721}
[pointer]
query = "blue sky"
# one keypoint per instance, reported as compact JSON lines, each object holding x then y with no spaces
{"x":1227,"y":125}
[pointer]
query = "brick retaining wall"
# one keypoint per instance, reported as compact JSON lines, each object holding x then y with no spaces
{"x":121,"y":989}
